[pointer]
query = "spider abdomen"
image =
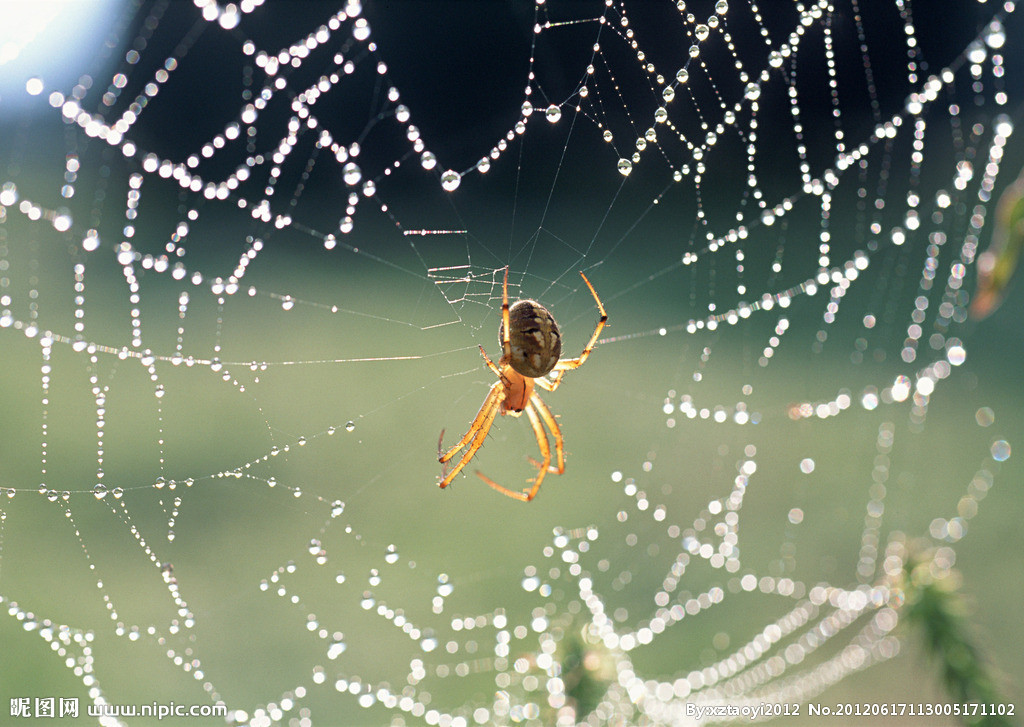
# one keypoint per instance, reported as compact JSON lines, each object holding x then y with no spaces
{"x":536,"y":344}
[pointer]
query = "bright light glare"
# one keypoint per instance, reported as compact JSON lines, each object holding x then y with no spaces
{"x":49,"y":39}
{"x":21,"y":21}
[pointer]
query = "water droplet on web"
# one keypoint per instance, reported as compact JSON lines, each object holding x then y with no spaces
{"x":668,"y":94}
{"x":428,"y":160}
{"x":527,"y":108}
{"x":349,"y":426}
{"x":99,"y":490}
{"x":450,"y":180}
{"x":607,"y":135}
{"x":428,"y":644}
{"x":91,"y":241}
{"x":625,"y":167}
{"x":391,"y":554}
{"x":753,"y":92}
{"x":337,"y":508}
{"x":553,"y":113}
{"x":368,"y":601}
{"x":1000,"y":450}
{"x":484,"y":165}
{"x":702,"y":31}
{"x":530,"y":583}
{"x":995,"y":35}
{"x":444,"y":585}
{"x":682,"y":75}
{"x":352,"y":174}
{"x":336,"y":649}
{"x":661,"y":115}
{"x":722,"y":7}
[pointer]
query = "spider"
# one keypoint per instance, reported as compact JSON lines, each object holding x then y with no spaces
{"x":531,"y":346}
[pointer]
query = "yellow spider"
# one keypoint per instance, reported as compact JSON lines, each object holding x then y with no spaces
{"x":531,"y":346}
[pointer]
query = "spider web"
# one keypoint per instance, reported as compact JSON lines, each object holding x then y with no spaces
{"x":247,"y":257}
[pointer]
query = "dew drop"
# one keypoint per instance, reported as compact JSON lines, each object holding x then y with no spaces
{"x":352,"y":174}
{"x":682,"y":75}
{"x":625,"y":167}
{"x":702,"y":31}
{"x":450,"y":180}
{"x":337,"y":508}
{"x":391,"y":554}
{"x":99,"y":491}
{"x":349,"y":426}
{"x":428,"y":644}
{"x":668,"y":94}
{"x":427,"y":160}
{"x":1000,"y":450}
{"x":530,"y":583}
{"x":553,"y":113}
{"x":444,"y":586}
{"x":336,"y":649}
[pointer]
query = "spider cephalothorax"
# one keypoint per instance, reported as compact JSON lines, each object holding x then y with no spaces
{"x":531,"y":346}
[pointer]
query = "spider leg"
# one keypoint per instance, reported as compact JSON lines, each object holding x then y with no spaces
{"x":506,"y":338}
{"x":556,"y":432}
{"x":574,"y":363}
{"x":542,"y":468}
{"x":492,"y":367}
{"x":477,"y":433}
